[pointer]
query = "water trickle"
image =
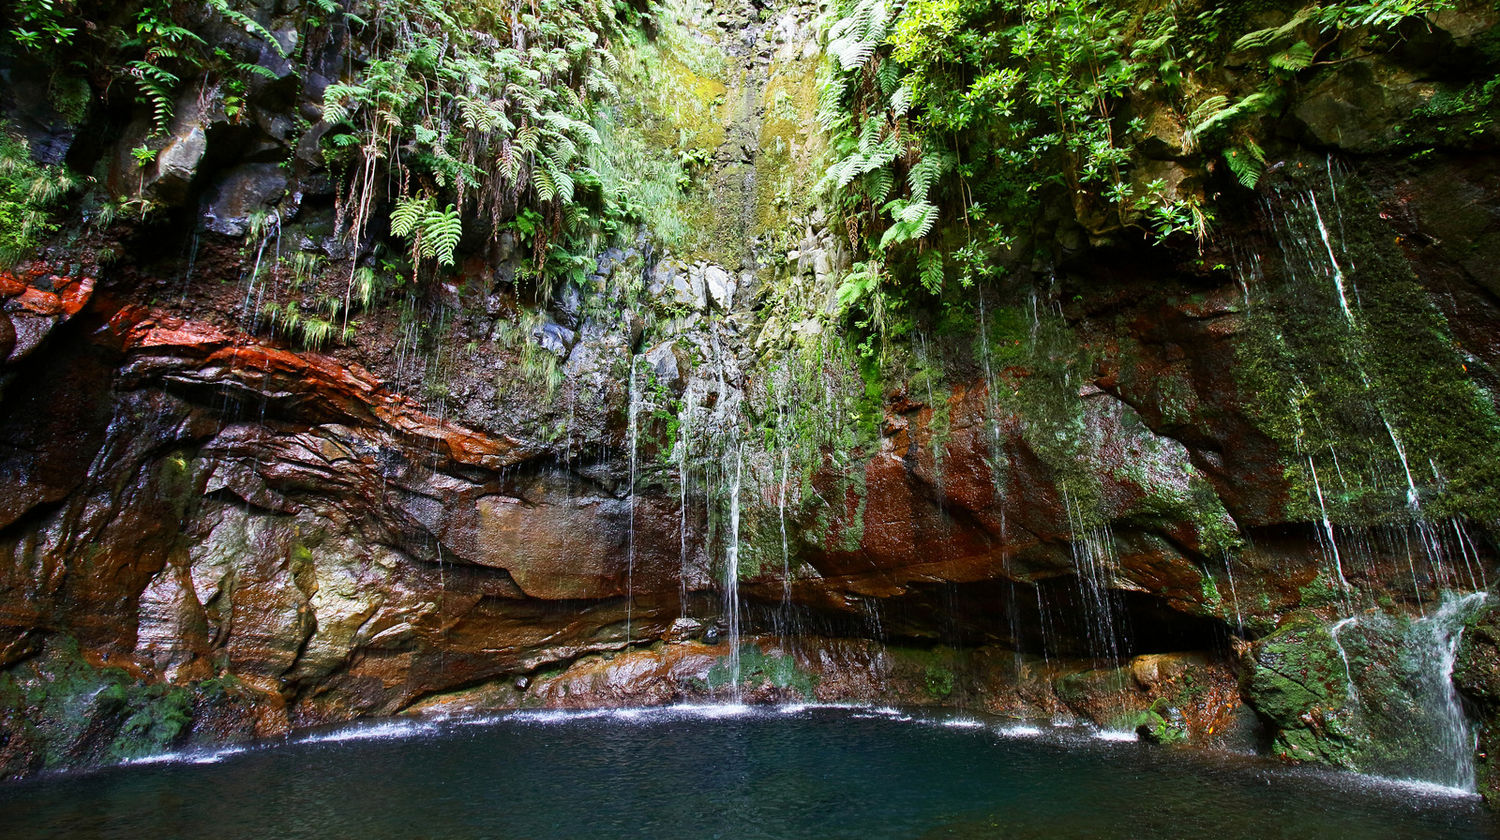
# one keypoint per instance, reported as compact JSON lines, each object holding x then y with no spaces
{"x":1351,"y":692}
{"x":1093,"y":563}
{"x":1333,"y":545}
{"x":786,"y":556}
{"x":1234,"y":594}
{"x":732,"y":574}
{"x":1444,"y":631}
{"x":684,"y":478}
{"x":1333,"y":261}
{"x":635,"y":398}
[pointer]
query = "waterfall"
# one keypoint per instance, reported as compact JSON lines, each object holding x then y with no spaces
{"x":732,"y":574}
{"x":635,"y":397}
{"x":1401,"y":715}
{"x":1351,"y":692}
{"x":684,"y":449}
{"x":1444,"y":630}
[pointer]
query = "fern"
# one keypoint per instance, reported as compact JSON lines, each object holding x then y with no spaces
{"x":1244,"y":165}
{"x":1296,"y":57}
{"x":249,"y":24}
{"x":156,"y":86}
{"x":408,"y":214}
{"x":441,"y":230}
{"x":878,"y":188}
{"x":260,"y":70}
{"x":930,"y":270}
{"x":338,"y":100}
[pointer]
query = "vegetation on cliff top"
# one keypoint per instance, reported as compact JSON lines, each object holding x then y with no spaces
{"x":956,"y":124}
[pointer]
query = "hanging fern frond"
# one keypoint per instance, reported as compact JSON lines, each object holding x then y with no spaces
{"x":441,"y":230}
{"x":1296,"y":57}
{"x":1244,"y":166}
{"x":930,"y":271}
{"x":409,"y":213}
{"x":249,"y":24}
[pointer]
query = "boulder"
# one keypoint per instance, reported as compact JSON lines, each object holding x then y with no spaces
{"x":241,"y":194}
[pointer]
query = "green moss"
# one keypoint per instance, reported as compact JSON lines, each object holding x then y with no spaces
{"x":1297,"y":682}
{"x":1210,"y":590}
{"x":1161,"y":723}
{"x":757,"y":667}
{"x":1325,"y":388}
{"x":789,"y":149}
{"x":938,"y":680}
{"x":1319,"y":592}
{"x":77,"y":713}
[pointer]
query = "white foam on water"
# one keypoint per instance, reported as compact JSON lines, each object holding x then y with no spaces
{"x":187,"y":757}
{"x":962,"y":723}
{"x":1420,"y":787}
{"x":1019,"y":731}
{"x":387,"y":731}
{"x":628,"y":714}
{"x":546,"y":716}
{"x":710,"y":711}
{"x":217,"y":756}
{"x":1115,"y":735}
{"x":159,"y":758}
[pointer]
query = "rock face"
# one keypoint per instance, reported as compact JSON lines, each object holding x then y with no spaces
{"x":1132,"y":486}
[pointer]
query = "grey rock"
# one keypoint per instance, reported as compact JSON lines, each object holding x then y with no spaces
{"x":240,"y":194}
{"x":568,"y":305}
{"x":666,"y":365}
{"x":721,"y":286}
{"x":555,"y":338}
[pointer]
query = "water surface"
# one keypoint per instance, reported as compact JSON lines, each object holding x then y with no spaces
{"x":722,"y":772}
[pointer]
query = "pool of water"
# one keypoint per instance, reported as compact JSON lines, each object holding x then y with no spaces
{"x":723,"y":772}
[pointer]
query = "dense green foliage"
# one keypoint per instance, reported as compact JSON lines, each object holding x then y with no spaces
{"x":151,"y":45}
{"x":957,"y":124}
{"x":486,"y":109}
{"x":28,"y":192}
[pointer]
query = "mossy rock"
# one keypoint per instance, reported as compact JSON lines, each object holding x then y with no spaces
{"x":61,"y":711}
{"x":757,"y":667}
{"x":1297,"y":683}
{"x":1162,"y":723}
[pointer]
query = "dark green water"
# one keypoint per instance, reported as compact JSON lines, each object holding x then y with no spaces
{"x":811,"y":773}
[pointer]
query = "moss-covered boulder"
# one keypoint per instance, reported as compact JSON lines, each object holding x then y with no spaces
{"x":63,"y":710}
{"x":1370,"y":692}
{"x":1296,"y":681}
{"x":1476,"y":673}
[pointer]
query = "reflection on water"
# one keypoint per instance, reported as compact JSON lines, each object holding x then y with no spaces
{"x":723,"y":771}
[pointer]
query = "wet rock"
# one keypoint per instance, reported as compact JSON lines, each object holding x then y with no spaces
{"x":1360,"y":106}
{"x":1296,"y":682}
{"x":555,"y":338}
{"x":720,"y":285}
{"x":165,"y":177}
{"x":666,"y":365}
{"x":242,"y":193}
{"x":673,"y":284}
{"x":1476,"y":674}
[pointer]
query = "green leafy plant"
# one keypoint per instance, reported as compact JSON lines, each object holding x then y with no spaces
{"x":953,"y":123}
{"x":29,"y":192}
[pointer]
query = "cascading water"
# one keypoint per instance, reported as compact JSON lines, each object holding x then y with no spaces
{"x":1444,"y":630}
{"x":732,"y":574}
{"x":1401,"y":715}
{"x":1352,"y":691}
{"x":635,"y":398}
{"x":1309,"y":230}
